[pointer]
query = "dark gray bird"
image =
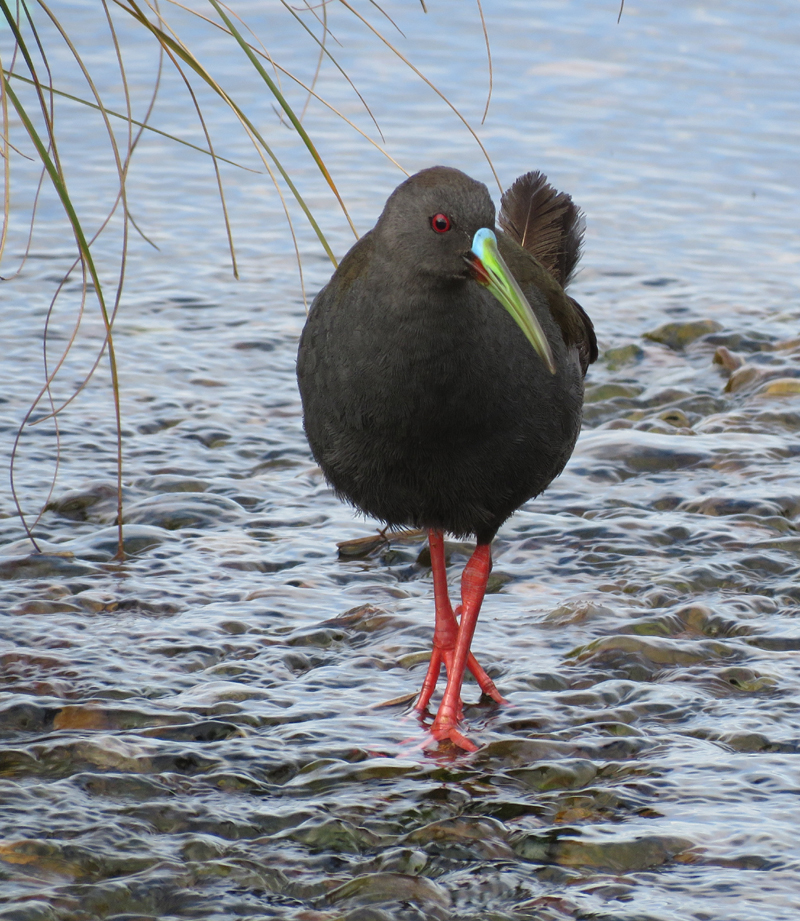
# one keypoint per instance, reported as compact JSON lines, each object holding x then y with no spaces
{"x":428,"y":404}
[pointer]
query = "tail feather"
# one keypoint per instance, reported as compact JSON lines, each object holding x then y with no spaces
{"x":545,"y":222}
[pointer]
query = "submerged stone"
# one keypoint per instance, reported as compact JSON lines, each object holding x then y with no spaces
{"x":633,"y":452}
{"x":659,"y":651}
{"x":729,"y":360}
{"x":97,"y":502}
{"x":43,"y":566}
{"x":391,"y":887}
{"x":173,"y":511}
{"x":781,"y":387}
{"x":678,"y":335}
{"x":743,"y":377}
{"x":598,"y":392}
{"x":638,"y":854}
{"x":623,"y":355}
{"x":465,"y":837}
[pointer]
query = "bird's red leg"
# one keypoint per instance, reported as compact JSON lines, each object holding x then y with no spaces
{"x":473,"y":588}
{"x":445,"y":630}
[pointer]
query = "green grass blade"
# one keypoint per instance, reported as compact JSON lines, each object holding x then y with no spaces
{"x":171,"y":45}
{"x":273,"y":87}
{"x":133,"y":121}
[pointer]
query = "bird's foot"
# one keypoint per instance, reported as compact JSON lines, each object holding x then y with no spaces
{"x":444,"y":727}
{"x":458,"y":739}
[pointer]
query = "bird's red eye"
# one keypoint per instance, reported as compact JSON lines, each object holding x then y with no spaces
{"x":440,"y":223}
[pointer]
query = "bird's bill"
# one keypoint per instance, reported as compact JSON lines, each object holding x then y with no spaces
{"x":490,"y":270}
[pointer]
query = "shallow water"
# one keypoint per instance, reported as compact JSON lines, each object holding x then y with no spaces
{"x":195,"y":733}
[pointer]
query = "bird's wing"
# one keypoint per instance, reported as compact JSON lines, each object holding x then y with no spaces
{"x":587,"y":344}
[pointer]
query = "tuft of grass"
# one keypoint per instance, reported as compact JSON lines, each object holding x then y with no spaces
{"x":31,"y":101}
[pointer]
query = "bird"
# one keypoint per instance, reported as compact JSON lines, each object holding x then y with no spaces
{"x":441,"y":374}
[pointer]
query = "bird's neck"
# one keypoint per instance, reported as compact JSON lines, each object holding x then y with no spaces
{"x":416,"y":290}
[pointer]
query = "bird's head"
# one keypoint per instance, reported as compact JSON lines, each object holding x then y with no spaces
{"x":439,"y":225}
{"x":430,"y":220}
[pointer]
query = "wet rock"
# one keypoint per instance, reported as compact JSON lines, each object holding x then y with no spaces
{"x":199,"y":731}
{"x":745,"y":376}
{"x":209,"y":436}
{"x":623,"y":355}
{"x":95,"y":602}
{"x":99,"y":752}
{"x":560,"y":775}
{"x":760,"y":422}
{"x":171,"y":482}
{"x":755,"y":742}
{"x":596,"y":393}
{"x":42,"y":606}
{"x":392,"y":887}
{"x":701,"y":620}
{"x":776,"y":643}
{"x":635,"y":855}
{"x":158,"y":424}
{"x":203,"y":848}
{"x":366,"y":617}
{"x":405,"y":860}
{"x":497,"y":579}
{"x":44,"y":566}
{"x":578,"y":612}
{"x":464,"y":838}
{"x":675,"y":417}
{"x":660,"y":652}
{"x":94,"y":717}
{"x":334,"y":836}
{"x":730,"y":505}
{"x":46,"y":857}
{"x":730,"y":361}
{"x":691,"y":579}
{"x":361,"y":547}
{"x":781,"y":387}
{"x":103,"y":545}
{"x":125,"y":787}
{"x":366,"y":914}
{"x":319,"y":637}
{"x":633,"y":452}
{"x":666,"y":395}
{"x":746,"y":680}
{"x":97,"y":502}
{"x":26,"y":716}
{"x":258,"y":565}
{"x":30,"y":910}
{"x":789,"y":544}
{"x":259,"y":345}
{"x":607,"y":413}
{"x":742,"y":341}
{"x":678,"y":335}
{"x":505,"y":754}
{"x":173,"y":511}
{"x":606,"y":852}
{"x":699,"y":405}
{"x":657,"y":426}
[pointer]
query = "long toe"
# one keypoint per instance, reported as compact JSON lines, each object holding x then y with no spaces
{"x":485,"y":683}
{"x":440,"y":731}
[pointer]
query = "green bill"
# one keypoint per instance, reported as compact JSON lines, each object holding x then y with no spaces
{"x":497,"y":277}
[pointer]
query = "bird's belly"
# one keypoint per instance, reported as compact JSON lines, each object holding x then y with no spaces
{"x":445,"y":456}
{"x":436,"y":429}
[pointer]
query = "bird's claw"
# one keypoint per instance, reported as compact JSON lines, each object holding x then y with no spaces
{"x":449,"y":731}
